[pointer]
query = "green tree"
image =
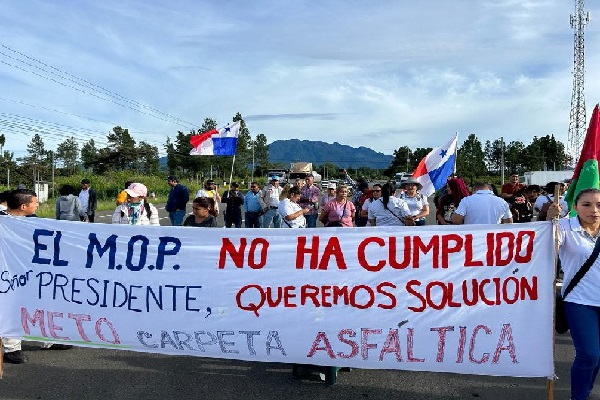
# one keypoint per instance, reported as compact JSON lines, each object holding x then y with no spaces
{"x":37,"y":163}
{"x":514,"y":157}
{"x":261,"y":154}
{"x":493,"y":155}
{"x":243,"y":154}
{"x":148,"y":160}
{"x":123,"y":148}
{"x":88,"y":154}
{"x":401,"y":161}
{"x":67,"y":155}
{"x":470,"y":162}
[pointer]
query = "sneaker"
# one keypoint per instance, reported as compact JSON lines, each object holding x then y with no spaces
{"x":59,"y":346}
{"x":15,"y":357}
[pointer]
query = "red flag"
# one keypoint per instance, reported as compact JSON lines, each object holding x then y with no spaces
{"x":195,"y":140}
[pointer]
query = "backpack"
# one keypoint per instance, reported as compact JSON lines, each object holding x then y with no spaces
{"x":543,"y":214}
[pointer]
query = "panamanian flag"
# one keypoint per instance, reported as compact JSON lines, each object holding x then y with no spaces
{"x":221,"y":142}
{"x":435,"y":168}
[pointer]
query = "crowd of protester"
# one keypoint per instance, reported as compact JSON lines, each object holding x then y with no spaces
{"x":355,"y":203}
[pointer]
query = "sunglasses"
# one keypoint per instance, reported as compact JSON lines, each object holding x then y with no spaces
{"x":376,"y":190}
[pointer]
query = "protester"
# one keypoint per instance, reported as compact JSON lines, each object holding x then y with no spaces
{"x":136,"y":211}
{"x":67,"y":206}
{"x":22,"y":203}
{"x":211,"y":190}
{"x":417,"y":203}
{"x":290,"y":211}
{"x":179,"y":195}
{"x":577,"y":237}
{"x":360,"y":193}
{"x":269,"y":201}
{"x":520,"y":206}
{"x":456,"y":190}
{"x":482,"y":207}
{"x":122,"y":196}
{"x":234,"y":200}
{"x":511,"y":187}
{"x":339,"y":211}
{"x":543,"y":201}
{"x":88,"y":200}
{"x":375,"y":194}
{"x":252,"y":207}
{"x":201,"y":213}
{"x":389,"y":210}
{"x":310,"y":199}
{"x":329,"y":194}
{"x":4,"y":199}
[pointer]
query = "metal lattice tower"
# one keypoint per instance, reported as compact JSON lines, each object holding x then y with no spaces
{"x":577,"y":121}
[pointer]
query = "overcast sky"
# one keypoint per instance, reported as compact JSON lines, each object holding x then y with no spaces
{"x":380,"y":74}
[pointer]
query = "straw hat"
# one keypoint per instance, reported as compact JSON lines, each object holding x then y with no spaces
{"x":412,"y":181}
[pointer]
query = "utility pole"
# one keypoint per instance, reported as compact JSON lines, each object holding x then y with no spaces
{"x":502,"y":159}
{"x":577,"y":120}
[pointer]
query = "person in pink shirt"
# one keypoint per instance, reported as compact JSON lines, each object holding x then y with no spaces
{"x":339,"y":211}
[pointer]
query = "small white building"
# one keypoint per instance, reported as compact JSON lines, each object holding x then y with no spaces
{"x":41,"y":188}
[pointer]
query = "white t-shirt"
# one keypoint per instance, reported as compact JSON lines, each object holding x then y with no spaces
{"x":575,"y":246}
{"x":542,"y":199}
{"x":287,"y":207}
{"x":415,"y":203}
{"x":483,"y":207}
{"x":397,"y":210}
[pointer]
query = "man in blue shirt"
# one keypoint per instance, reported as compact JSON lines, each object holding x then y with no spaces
{"x":177,"y":200}
{"x":252,"y":207}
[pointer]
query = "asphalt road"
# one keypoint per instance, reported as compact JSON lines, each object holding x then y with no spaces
{"x":84,"y":373}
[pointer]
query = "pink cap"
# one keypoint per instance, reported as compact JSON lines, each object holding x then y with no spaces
{"x":137,"y":190}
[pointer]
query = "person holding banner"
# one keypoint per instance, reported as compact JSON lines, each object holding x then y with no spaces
{"x":136,"y":211}
{"x":290,"y":212}
{"x":577,"y":238}
{"x":22,"y":203}
{"x":389,"y":210}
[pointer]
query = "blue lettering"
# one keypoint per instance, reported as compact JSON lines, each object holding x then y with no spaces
{"x":111,"y":245}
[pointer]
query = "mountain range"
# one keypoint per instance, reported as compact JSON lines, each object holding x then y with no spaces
{"x":317,"y":152}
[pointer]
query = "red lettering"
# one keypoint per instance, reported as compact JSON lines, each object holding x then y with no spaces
{"x":469,"y":262}
{"x":485,"y":356}
{"x":78,"y":318}
{"x":525,"y":258}
{"x":38,"y":316}
{"x":370,"y":297}
{"x":264,"y":245}
{"x":237,"y":255}
{"x":409,"y":347}
{"x":462,"y":340}
{"x":361,"y":254}
{"x":302,"y":249}
{"x":391,"y":345}
{"x":380,"y":289}
{"x":420,"y":246}
{"x":321,"y":337}
{"x":505,"y":335}
{"x":509,"y":246}
{"x":410,"y":290}
{"x":353,"y":345}
{"x":393,"y":252}
{"x":52,"y":327}
{"x":334,"y":249}
{"x":447,"y":249}
{"x":364,"y":341}
{"x":441,"y":341}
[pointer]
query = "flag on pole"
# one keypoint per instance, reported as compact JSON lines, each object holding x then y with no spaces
{"x":586,"y":173}
{"x":222,"y":142}
{"x":435,"y":168}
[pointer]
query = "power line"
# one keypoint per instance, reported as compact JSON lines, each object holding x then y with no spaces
{"x":153,"y":112}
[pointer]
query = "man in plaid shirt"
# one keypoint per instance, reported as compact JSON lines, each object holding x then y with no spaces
{"x":309,"y":198}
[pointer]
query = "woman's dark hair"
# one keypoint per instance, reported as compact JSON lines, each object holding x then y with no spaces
{"x":66,"y":190}
{"x":204,"y":202}
{"x":386,"y":192}
{"x":458,"y":190}
{"x":585,"y":191}
{"x":294,"y":190}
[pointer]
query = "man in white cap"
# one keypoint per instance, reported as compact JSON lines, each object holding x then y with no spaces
{"x":329,"y":195}
{"x":269,"y":201}
{"x":136,"y":211}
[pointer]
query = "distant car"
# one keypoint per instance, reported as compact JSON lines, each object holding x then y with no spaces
{"x":400,"y":177}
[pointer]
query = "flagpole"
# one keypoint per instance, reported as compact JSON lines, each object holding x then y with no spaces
{"x":231,"y":173}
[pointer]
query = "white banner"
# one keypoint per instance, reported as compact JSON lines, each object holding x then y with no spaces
{"x":465,"y":299}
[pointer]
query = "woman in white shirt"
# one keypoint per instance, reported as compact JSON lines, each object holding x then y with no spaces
{"x":291,"y":213}
{"x":577,"y":237}
{"x":136,"y":211}
{"x":417,"y":203}
{"x":389,"y":210}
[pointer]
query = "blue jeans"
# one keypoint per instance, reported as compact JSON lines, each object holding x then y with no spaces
{"x":252,"y":219}
{"x":311,"y":220}
{"x":584,"y":324}
{"x":272,"y":214}
{"x":176,"y":217}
